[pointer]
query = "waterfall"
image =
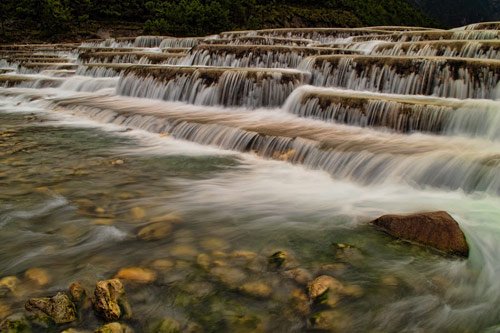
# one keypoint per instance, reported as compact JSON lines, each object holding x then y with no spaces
{"x":216,"y":86}
{"x":444,"y":77}
{"x":308,"y":129}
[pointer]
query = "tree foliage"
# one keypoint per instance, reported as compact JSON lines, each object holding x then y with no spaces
{"x":53,"y":19}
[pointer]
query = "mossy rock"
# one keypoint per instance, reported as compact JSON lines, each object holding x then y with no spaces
{"x":15,"y":324}
{"x":167,"y":325}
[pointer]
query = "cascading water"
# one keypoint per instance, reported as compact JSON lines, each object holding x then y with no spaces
{"x":194,"y":159}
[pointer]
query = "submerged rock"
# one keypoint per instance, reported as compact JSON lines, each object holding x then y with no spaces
{"x":299,"y":275}
{"x":203,"y":260}
{"x":114,"y":328}
{"x":435,"y":229}
{"x":183,"y":251}
{"x":231,"y":277}
{"x":15,"y":324}
{"x":322,"y":284}
{"x":59,"y":308}
{"x":163,"y":264}
{"x":137,"y":213}
{"x":256,"y":289}
{"x":277,"y":260}
{"x":346,"y":252}
{"x":167,"y":325}
{"x":155,"y":231}
{"x":332,"y":321}
{"x":136,"y":274}
{"x":300,"y":302}
{"x":39,"y":276}
{"x":9,"y":284}
{"x":4,"y":311}
{"x":74,"y":330}
{"x":110,"y":301}
{"x":214,"y":244}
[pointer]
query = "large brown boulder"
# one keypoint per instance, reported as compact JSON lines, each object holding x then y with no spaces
{"x":435,"y":229}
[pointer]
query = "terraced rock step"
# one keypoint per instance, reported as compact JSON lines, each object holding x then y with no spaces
{"x":39,"y":47}
{"x":487,"y":49}
{"x":481,"y":26}
{"x":11,"y":80}
{"x":271,"y":56}
{"x":131,"y":57}
{"x":439,"y":76}
{"x":259,"y":40}
{"x":318,"y":34}
{"x":400,"y":113}
{"x":428,"y":35}
{"x":250,"y":87}
{"x":39,"y":66}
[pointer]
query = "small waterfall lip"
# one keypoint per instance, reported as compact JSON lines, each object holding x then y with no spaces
{"x":29,"y":80}
{"x":445,"y":77}
{"x":493,"y":25}
{"x":250,"y":87}
{"x":401,"y":113}
{"x":260,"y":56}
{"x":483,"y":49}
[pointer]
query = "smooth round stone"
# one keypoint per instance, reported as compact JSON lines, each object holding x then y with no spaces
{"x":203,"y":260}
{"x":155,"y":231}
{"x":299,"y":275}
{"x":162,"y":264}
{"x":199,"y":289}
{"x":256,"y":289}
{"x":125,"y":196}
{"x":11,"y":283}
{"x":102,"y":221}
{"x":168,"y":218}
{"x":182,"y":264}
{"x":322,"y":284}
{"x":243,"y":254}
{"x":100,"y":210}
{"x":334,"y":269}
{"x":390,"y":281}
{"x":300,"y":302}
{"x":114,"y":328}
{"x":231,"y":277}
{"x":183,"y":251}
{"x":214,"y":244}
{"x":219,"y":254}
{"x":39,"y":276}
{"x":137,"y":213}
{"x":167,"y":325}
{"x":221,"y":263}
{"x":136,"y":274}
{"x":353,"y":291}
{"x":331,"y":321}
{"x":5,"y":311}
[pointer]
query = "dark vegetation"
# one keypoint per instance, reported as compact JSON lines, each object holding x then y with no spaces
{"x":52,"y":20}
{"x":454,"y":13}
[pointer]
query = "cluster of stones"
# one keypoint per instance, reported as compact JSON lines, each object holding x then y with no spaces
{"x":315,"y":297}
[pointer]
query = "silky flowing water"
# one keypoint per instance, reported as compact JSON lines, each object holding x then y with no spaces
{"x":245,"y":163}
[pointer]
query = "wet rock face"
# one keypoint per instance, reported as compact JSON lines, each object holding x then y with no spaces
{"x":59,"y":308}
{"x":110,"y":302}
{"x":434,"y":229}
